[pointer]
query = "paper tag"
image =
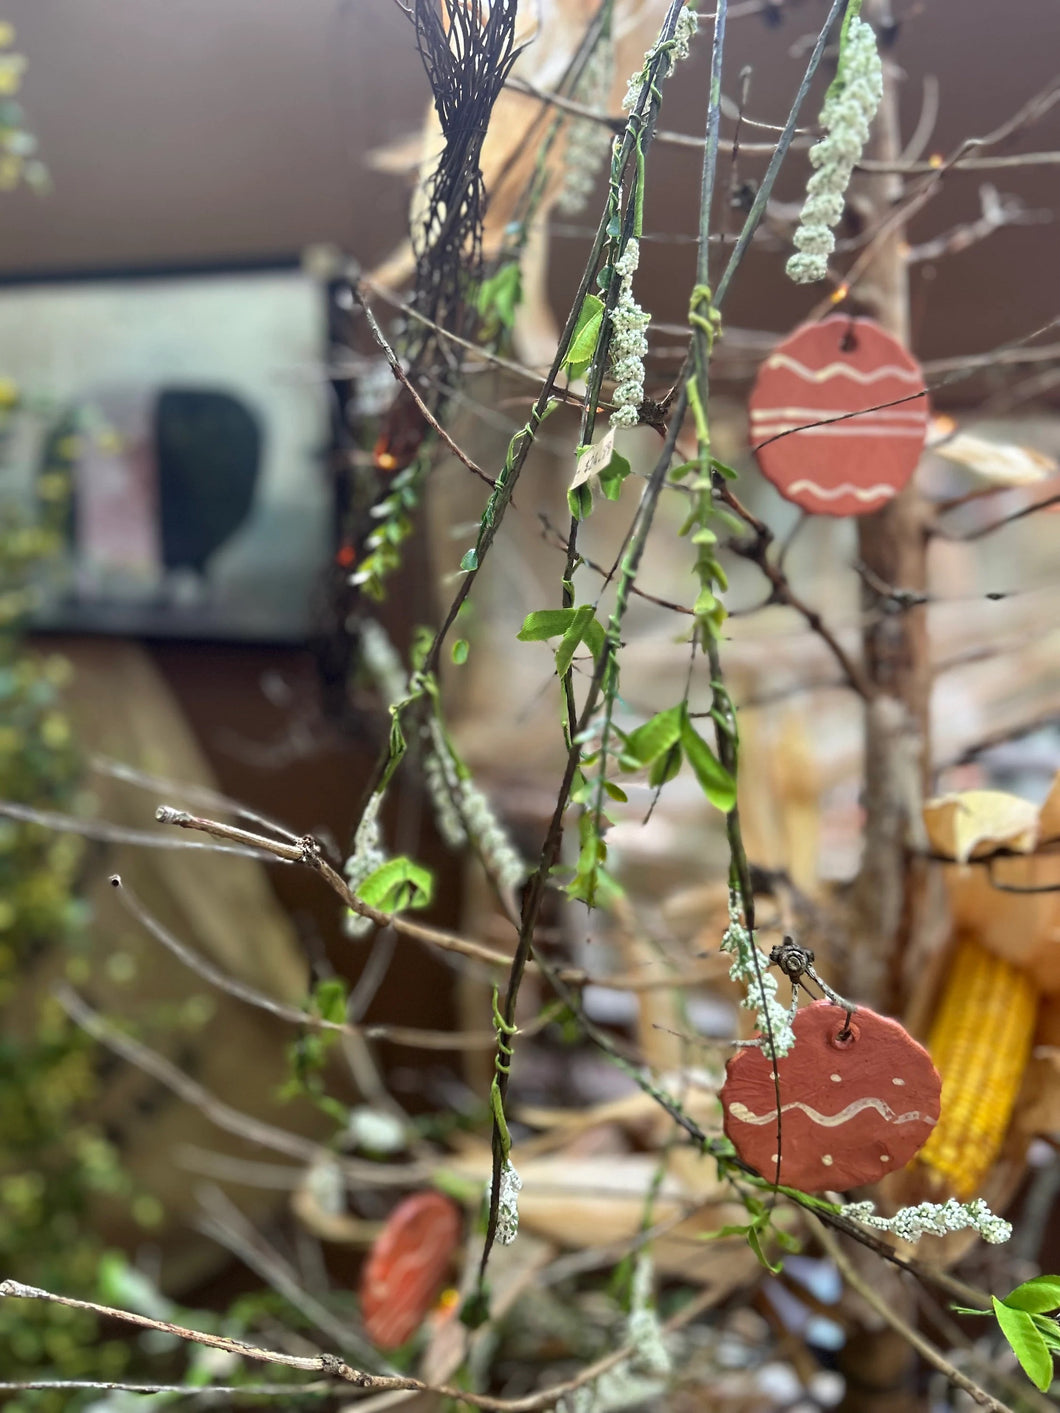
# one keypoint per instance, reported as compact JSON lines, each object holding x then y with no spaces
{"x":594,"y":459}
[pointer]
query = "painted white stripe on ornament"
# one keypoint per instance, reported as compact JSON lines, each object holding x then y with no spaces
{"x":862,"y":493}
{"x":842,"y":370}
{"x":748,"y":1116}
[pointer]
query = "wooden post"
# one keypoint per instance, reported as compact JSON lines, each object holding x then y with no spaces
{"x":890,"y":892}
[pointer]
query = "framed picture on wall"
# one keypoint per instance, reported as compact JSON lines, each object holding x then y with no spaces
{"x":181,"y":422}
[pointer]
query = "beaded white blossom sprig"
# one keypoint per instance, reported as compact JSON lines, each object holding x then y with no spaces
{"x":673,"y":50}
{"x":588,"y":141}
{"x":367,"y":856}
{"x":849,"y":108}
{"x":933,"y":1219}
{"x":629,"y":342}
{"x":760,"y":985}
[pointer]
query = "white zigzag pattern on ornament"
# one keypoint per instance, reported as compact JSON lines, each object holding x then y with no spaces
{"x":842,"y":370}
{"x":863,"y":493}
{"x":747,"y":1116}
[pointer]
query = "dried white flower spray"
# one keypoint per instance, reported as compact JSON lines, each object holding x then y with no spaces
{"x":588,"y":141}
{"x":368,"y":855}
{"x":674,"y":50}
{"x":849,"y":108}
{"x":760,"y":985}
{"x":508,"y":1204}
{"x":629,"y":342}
{"x":933,"y":1219}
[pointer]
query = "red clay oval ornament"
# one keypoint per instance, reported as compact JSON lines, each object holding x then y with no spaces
{"x":854,"y":1106}
{"x":822,"y":373}
{"x":407,"y":1266}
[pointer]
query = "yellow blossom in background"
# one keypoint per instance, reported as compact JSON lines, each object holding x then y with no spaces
{"x":12,"y":67}
{"x":7,"y":34}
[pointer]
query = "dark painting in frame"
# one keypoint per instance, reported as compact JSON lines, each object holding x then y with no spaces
{"x":188,"y":412}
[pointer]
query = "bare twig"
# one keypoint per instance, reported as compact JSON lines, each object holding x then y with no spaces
{"x":403,"y":378}
{"x":338,"y":1370}
{"x":107,"y":833}
{"x":223,"y":1115}
{"x":398,"y":1035}
{"x":885,"y":1310}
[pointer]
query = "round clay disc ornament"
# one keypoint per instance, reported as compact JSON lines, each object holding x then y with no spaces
{"x":821,"y":374}
{"x":407,"y":1266}
{"x":855,"y":1105}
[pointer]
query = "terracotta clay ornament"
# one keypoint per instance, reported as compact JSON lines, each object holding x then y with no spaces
{"x":802,"y":433}
{"x":856,"y":1102}
{"x":407,"y":1266}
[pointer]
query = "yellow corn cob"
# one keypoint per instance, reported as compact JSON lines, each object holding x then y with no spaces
{"x":980,"y":1042}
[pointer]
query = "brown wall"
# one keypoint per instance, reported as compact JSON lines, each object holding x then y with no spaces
{"x":205,"y":130}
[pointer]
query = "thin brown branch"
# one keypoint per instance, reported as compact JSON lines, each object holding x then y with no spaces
{"x":194,"y":794}
{"x":398,"y":1035}
{"x":107,"y":833}
{"x":224,"y":1223}
{"x":403,"y":378}
{"x":308,"y":852}
{"x":222,"y":1115}
{"x":884,"y":1309}
{"x":188,"y":1390}
{"x":898,"y":218}
{"x":981,"y":531}
{"x":757,"y":551}
{"x":337,"y":1369}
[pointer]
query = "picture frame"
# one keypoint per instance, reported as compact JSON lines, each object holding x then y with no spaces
{"x":181,"y":419}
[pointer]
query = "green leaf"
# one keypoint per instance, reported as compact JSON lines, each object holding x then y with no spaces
{"x":612,"y":476}
{"x":574,"y":635}
{"x":655,"y":737}
{"x":685,"y":469}
{"x":616,"y":792}
{"x":580,"y":501}
{"x":545,"y":623}
{"x":726,"y":471}
{"x":1027,"y":1343}
{"x":1035,"y":1296}
{"x":664,"y":767}
{"x":714,"y":780}
{"x":500,"y":296}
{"x":329,"y":1000}
{"x":460,"y":650}
{"x":731,"y":1229}
{"x":754,"y":1241}
{"x":469,"y":563}
{"x":396,"y":885}
{"x":585,"y":337}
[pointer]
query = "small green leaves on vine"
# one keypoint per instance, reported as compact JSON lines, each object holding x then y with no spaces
{"x":572,"y":626}
{"x":459,"y":651}
{"x":714,"y":780}
{"x":469,"y":563}
{"x":1023,"y":1318}
{"x":498,"y":298}
{"x":756,"y":1229}
{"x":580,"y":501}
{"x":597,"y":465}
{"x":585,"y":337}
{"x":592,"y":884}
{"x":663,"y":742}
{"x":399,"y":884}
{"x":1032,"y":1337}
